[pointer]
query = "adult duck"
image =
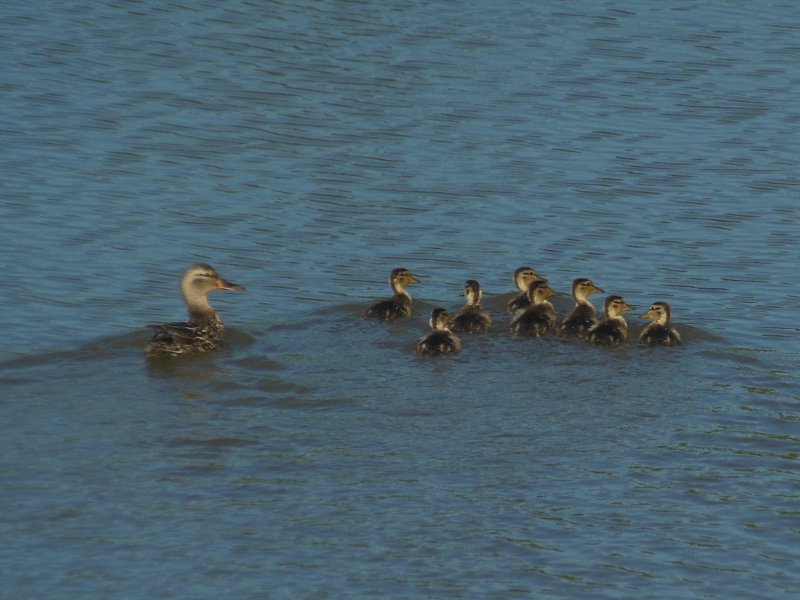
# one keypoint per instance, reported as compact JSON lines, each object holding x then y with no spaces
{"x":203,"y":331}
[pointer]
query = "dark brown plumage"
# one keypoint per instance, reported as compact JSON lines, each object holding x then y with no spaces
{"x":613,"y":330}
{"x":659,"y":332}
{"x":523,"y":277}
{"x":203,"y":331}
{"x":472,"y":318}
{"x":441,"y":340}
{"x":540,"y":316}
{"x":583,"y":316}
{"x":399,"y":305}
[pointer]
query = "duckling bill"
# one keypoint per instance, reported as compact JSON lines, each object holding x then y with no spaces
{"x":613,"y":330}
{"x":523,"y":277}
{"x":441,"y":340}
{"x":659,"y":332}
{"x":472,"y":318}
{"x":399,"y":305}
{"x":583,"y":316}
{"x":204,"y":330}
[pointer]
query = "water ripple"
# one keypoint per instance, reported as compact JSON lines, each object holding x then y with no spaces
{"x":306,"y":149}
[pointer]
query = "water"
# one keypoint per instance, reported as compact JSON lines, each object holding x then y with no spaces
{"x":306,"y":149}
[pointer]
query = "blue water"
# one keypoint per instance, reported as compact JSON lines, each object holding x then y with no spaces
{"x":307,"y":148}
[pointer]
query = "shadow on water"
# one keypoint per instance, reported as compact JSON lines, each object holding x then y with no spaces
{"x":333,"y":414}
{"x":307,"y":146}
{"x":309,"y":345}
{"x":335,"y":359}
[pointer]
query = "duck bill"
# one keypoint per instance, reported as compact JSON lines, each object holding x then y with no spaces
{"x":597,"y":290}
{"x":231,"y":287}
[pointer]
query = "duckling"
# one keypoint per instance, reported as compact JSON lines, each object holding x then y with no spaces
{"x":613,"y":330}
{"x":583,"y":316}
{"x":659,"y":332}
{"x":203,"y":331}
{"x":440,"y":340}
{"x":540,"y":316}
{"x":472,"y":318}
{"x":398,"y":305}
{"x":523,"y":277}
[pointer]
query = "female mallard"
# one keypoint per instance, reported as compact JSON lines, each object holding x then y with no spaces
{"x":583,"y":317}
{"x":204,"y":329}
{"x":613,"y":330}
{"x":398,"y":305}
{"x":523,"y":277}
{"x":440,"y":340}
{"x":659,"y":332}
{"x":472,"y":318}
{"x":540,"y":316}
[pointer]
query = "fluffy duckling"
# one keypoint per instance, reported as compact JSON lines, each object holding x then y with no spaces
{"x":523,"y":277}
{"x":659,"y":332}
{"x":203,"y":331}
{"x":398,"y":305}
{"x":540,"y":316}
{"x":583,"y":316}
{"x":440,"y":340}
{"x":472,"y":318}
{"x":613,"y":330}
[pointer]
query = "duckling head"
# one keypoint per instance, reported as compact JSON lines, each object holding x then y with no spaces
{"x":440,"y":319}
{"x":200,"y":279}
{"x":582,"y":288}
{"x":616,"y":305}
{"x":540,"y":291}
{"x":400,"y":278}
{"x":659,"y":312}
{"x":523,"y":277}
{"x":473,"y":292}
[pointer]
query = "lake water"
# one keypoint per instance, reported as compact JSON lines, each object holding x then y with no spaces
{"x":307,"y":148}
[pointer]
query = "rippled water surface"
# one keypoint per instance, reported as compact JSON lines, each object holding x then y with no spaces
{"x":307,"y":148}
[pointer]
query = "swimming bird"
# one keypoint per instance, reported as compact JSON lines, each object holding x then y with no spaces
{"x":472,"y":318}
{"x":613,"y":330}
{"x":523,"y":277}
{"x":540,"y":316}
{"x":659,"y":332}
{"x":399,"y":305}
{"x":583,"y":316}
{"x":203,"y":331}
{"x":441,"y":340}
